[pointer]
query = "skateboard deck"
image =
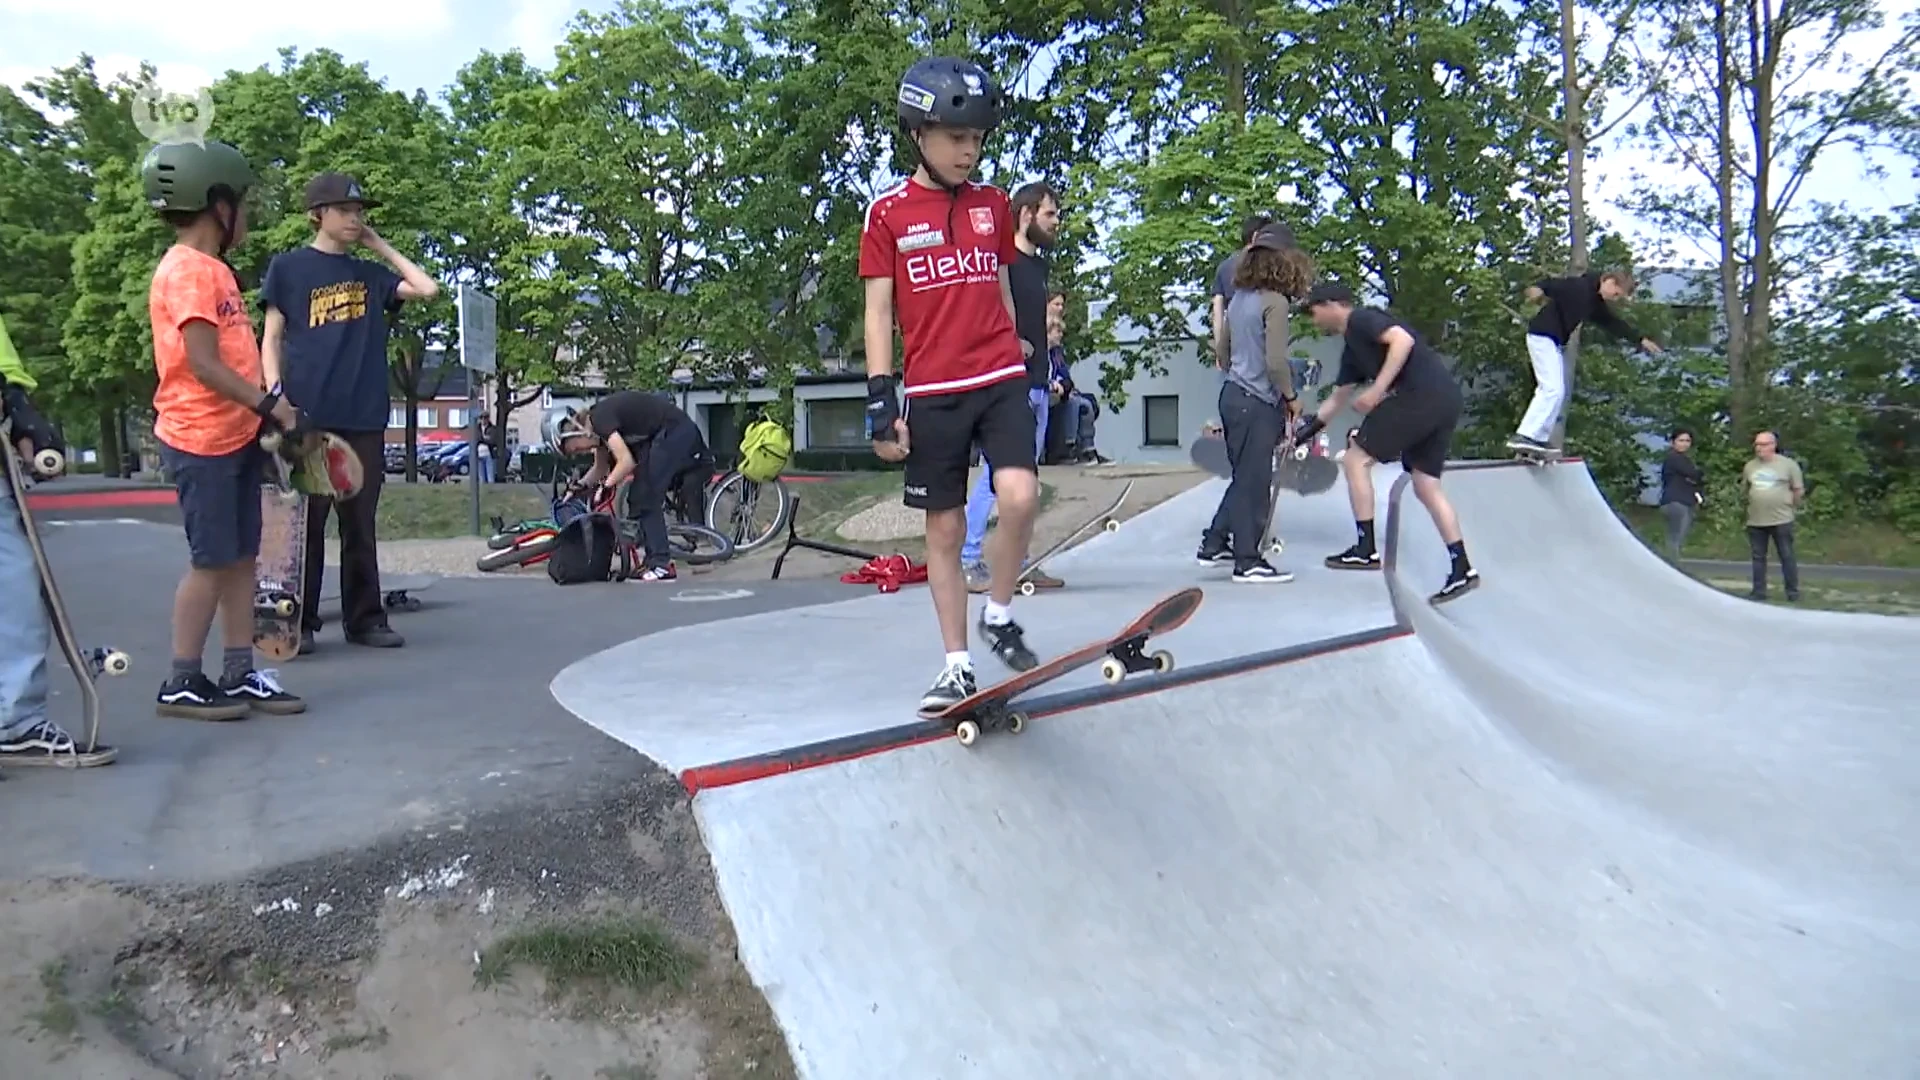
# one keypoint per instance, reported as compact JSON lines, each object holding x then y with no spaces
{"x":1547,"y":456}
{"x":1118,"y":656}
{"x":1303,"y":470}
{"x":87,"y":664}
{"x":280,"y":571}
{"x":396,"y":589}
{"x":318,"y":463}
{"x":1104,"y":519}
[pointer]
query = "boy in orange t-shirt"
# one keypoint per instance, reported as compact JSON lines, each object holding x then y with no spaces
{"x":210,"y":405}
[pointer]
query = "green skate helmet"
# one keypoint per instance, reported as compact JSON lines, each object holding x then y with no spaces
{"x":189,"y":176}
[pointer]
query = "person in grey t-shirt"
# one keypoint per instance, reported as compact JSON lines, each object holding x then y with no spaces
{"x":1258,"y":399}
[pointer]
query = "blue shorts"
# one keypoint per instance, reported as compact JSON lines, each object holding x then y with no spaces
{"x":219,"y":503}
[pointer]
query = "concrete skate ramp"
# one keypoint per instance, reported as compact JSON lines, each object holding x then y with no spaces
{"x":1339,"y":868}
{"x":1786,"y":739}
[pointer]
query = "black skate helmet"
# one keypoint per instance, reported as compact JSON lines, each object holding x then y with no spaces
{"x":946,"y":92}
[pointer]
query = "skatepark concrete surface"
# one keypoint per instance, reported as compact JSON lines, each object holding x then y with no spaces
{"x":1592,"y":819}
{"x":455,"y":725}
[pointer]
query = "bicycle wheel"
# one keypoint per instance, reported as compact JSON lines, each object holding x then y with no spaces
{"x":697,"y":544}
{"x":507,"y":537}
{"x":737,"y":505}
{"x":532,"y":546}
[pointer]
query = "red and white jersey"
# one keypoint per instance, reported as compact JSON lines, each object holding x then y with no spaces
{"x":944,"y":253}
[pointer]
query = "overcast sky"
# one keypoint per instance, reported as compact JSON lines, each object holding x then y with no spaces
{"x":421,"y":43}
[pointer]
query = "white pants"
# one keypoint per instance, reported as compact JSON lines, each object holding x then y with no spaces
{"x":1549,"y":388}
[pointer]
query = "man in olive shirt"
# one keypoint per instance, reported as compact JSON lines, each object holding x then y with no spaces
{"x":1775,"y":487}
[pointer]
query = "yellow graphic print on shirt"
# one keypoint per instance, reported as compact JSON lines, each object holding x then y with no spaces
{"x":340,"y":303}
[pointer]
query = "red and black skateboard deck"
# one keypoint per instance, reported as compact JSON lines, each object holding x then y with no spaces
{"x":1121,"y":655}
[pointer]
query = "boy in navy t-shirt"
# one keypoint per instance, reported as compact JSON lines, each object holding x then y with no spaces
{"x":325,"y":345}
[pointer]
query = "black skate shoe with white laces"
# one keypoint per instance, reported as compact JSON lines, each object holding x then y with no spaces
{"x":1355,"y":558}
{"x":261,"y":690}
{"x":1009,"y":644}
{"x":1261,"y":572}
{"x":1460,"y":581}
{"x":195,"y":697}
{"x":954,"y":685}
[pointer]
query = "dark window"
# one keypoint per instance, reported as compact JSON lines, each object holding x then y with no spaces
{"x":1162,"y":413}
{"x":837,"y":424}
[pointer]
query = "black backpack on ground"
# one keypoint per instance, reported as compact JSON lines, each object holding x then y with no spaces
{"x":585,"y":550}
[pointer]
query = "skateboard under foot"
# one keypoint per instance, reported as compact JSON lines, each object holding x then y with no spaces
{"x":990,"y":709}
{"x":1547,"y":455}
{"x":280,"y":569}
{"x":87,"y":665}
{"x":1104,"y":520}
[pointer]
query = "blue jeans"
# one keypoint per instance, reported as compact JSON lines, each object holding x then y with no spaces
{"x":24,"y":632}
{"x":980,"y":502}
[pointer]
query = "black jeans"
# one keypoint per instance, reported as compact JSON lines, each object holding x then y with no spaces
{"x":361,"y":605}
{"x":1252,"y":429}
{"x":1782,"y":544}
{"x":676,"y":456}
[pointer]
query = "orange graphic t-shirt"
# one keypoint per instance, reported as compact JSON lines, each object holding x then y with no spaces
{"x":191,"y":285}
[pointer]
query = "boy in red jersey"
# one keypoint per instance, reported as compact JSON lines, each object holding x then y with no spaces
{"x":934,"y":253}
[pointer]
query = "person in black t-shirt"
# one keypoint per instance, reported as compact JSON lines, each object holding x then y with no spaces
{"x":646,"y":437}
{"x":1570,"y":302}
{"x":1036,"y":216}
{"x":1411,"y":407}
{"x":324,"y":344}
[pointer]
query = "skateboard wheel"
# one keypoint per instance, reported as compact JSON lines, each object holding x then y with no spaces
{"x":1017,"y":722}
{"x":966,"y":731}
{"x":1277,"y":547}
{"x":116,"y":663}
{"x":1162,"y":661}
{"x":48,"y":462}
{"x":283,"y":608}
{"x":1026,"y":588}
{"x":1112,"y":525}
{"x":1112,"y":670}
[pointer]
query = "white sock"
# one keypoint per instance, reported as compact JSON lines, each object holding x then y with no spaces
{"x":998,"y":614}
{"x":960,"y":659}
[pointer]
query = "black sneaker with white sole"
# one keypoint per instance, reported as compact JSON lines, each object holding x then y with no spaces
{"x":1355,"y":558}
{"x":955,"y":684}
{"x":1009,"y":643}
{"x":1208,"y":555}
{"x":1459,"y":582}
{"x":261,"y":690}
{"x":46,"y":743}
{"x":195,"y":697}
{"x":1261,"y":572}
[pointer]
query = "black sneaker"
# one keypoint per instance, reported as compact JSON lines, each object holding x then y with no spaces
{"x":1355,"y":558}
{"x":954,"y":685}
{"x":1522,"y":442}
{"x":377,"y":637}
{"x":1210,"y":555}
{"x":195,"y":697}
{"x":1261,"y":572}
{"x":261,"y":690}
{"x":1459,"y":582}
{"x":1008,"y":643}
{"x":46,"y":743}
{"x":307,"y":644}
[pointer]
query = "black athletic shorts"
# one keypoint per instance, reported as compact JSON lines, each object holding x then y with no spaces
{"x":1415,"y":428}
{"x":942,"y":430}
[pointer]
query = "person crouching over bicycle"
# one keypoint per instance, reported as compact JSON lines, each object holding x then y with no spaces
{"x":639,"y":436}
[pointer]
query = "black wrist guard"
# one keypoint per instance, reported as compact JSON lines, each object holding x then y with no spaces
{"x":883,"y":408}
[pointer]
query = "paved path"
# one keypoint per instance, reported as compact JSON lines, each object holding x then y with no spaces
{"x":1592,"y":820}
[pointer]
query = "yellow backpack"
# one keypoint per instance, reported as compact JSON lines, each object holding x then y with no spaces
{"x":765,"y":449}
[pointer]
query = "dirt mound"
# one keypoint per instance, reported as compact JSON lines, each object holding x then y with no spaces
{"x":584,"y":943}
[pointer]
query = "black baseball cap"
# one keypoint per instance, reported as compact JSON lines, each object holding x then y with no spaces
{"x":335,"y":187}
{"x":1328,"y":292}
{"x":1273,"y":236}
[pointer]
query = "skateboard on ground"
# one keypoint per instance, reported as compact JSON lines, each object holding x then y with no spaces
{"x":1305,"y":470}
{"x":398,"y":588}
{"x":1104,"y":519}
{"x":317,"y":463}
{"x":1118,"y":656}
{"x":279,"y":573}
{"x":87,"y":664}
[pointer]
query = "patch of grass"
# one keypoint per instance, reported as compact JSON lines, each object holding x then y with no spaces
{"x":1874,"y":597}
{"x":58,"y":1016}
{"x":431,"y":511}
{"x":626,"y":952}
{"x":1851,"y":543}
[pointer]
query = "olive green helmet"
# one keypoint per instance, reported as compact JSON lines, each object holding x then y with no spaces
{"x":182,"y":176}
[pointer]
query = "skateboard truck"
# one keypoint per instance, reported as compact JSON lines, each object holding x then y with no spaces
{"x":108,"y":661}
{"x":1130,"y":657}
